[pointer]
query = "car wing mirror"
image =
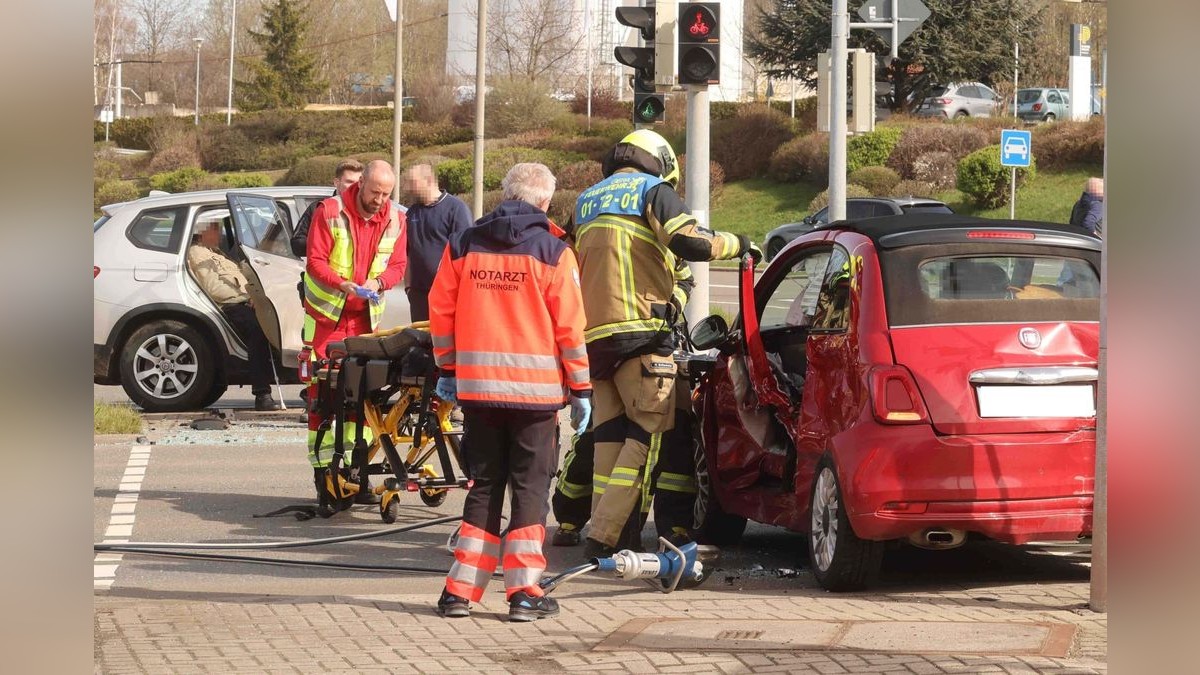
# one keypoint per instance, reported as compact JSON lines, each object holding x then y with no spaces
{"x":710,"y":332}
{"x":809,"y":220}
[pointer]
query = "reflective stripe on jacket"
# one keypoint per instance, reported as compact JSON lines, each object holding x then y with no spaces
{"x":329,"y":301}
{"x":625,"y":230}
{"x":506,"y":315}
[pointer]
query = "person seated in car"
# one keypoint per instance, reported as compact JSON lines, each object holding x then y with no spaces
{"x":220,"y":279}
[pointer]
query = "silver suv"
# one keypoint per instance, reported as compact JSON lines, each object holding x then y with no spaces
{"x":857,"y":208}
{"x":156,"y":333}
{"x":963,"y":99}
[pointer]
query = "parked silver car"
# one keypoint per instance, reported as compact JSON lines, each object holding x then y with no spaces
{"x":1043,"y":104}
{"x":973,"y":99}
{"x":857,"y":208}
{"x":156,"y":333}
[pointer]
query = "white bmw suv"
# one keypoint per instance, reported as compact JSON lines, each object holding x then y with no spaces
{"x":154,"y":330}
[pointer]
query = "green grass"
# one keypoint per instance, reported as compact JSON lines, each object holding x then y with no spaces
{"x":1049,"y":197}
{"x":116,"y":419}
{"x":756,"y":206}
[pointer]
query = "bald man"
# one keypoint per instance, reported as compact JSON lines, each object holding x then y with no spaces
{"x":1088,"y":212}
{"x":434,"y":215}
{"x":356,"y":251}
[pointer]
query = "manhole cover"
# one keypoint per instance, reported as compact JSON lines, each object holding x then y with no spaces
{"x":911,"y":637}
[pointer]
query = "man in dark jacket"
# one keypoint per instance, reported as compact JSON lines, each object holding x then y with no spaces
{"x":347,"y":173}
{"x":1088,"y":212}
{"x":434,"y":215}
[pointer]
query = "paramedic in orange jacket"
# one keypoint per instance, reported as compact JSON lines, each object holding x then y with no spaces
{"x":506,"y":318}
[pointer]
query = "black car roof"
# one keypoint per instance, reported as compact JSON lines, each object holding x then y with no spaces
{"x":882,"y":229}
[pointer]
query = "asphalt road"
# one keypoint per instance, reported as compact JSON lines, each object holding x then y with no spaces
{"x":207,"y":486}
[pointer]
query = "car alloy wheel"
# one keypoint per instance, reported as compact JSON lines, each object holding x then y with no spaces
{"x":825,"y":519}
{"x":165,"y":366}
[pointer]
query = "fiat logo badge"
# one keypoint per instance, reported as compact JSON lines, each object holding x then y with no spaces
{"x":1030,"y":338}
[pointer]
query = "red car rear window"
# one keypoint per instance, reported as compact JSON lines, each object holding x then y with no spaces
{"x":990,"y":283}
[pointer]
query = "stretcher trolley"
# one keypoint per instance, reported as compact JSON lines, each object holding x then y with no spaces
{"x":385,"y":382}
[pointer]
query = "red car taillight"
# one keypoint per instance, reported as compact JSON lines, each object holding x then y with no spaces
{"x":1037,"y":107}
{"x":895,"y":398}
{"x":943,"y":101}
{"x":95,"y":271}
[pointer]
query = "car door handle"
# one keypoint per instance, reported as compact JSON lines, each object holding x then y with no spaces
{"x":262,"y":261}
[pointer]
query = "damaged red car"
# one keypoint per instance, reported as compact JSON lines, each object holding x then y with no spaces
{"x":914,"y":378}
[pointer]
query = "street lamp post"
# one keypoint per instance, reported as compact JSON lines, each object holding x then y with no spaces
{"x":198,"y":42}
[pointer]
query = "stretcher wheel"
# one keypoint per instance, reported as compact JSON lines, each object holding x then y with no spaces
{"x":437,"y":498}
{"x":390,"y":512}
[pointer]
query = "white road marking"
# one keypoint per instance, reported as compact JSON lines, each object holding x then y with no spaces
{"x":121,"y":518}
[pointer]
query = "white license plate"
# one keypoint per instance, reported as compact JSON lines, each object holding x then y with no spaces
{"x":1060,"y":400}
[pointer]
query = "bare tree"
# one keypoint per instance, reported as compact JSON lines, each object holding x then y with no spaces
{"x":159,"y":25}
{"x":535,"y":39}
{"x":110,"y":29}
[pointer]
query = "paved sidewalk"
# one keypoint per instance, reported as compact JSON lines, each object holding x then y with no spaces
{"x":188,"y":633}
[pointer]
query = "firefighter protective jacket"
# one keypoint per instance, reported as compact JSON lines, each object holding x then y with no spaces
{"x":632,"y":232}
{"x":506,"y":315}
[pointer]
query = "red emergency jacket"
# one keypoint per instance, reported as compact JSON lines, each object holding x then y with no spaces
{"x":506,"y":313}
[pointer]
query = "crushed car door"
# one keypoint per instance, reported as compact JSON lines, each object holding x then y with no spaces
{"x":261,"y":234}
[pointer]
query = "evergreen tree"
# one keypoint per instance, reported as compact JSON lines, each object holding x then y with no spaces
{"x":962,"y":40}
{"x":287,"y":74}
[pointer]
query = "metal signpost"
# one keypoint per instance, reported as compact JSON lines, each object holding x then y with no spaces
{"x":895,"y":21}
{"x":1016,"y":150}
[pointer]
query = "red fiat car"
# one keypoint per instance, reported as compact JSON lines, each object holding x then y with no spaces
{"x":914,"y":377}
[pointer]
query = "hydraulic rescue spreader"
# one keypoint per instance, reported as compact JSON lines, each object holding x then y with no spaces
{"x":665,"y":570}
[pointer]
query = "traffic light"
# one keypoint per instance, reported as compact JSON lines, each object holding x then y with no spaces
{"x":653,"y":65}
{"x":648,"y":105}
{"x":699,"y":43}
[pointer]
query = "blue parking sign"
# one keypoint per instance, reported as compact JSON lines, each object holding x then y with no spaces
{"x":1016,"y":147}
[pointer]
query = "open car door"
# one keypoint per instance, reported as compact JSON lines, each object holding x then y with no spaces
{"x":261,"y":242}
{"x":766,"y":386}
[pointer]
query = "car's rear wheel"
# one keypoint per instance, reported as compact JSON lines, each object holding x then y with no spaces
{"x":840,"y":560}
{"x":774,"y":247}
{"x":167,"y":366}
{"x":961,"y":113}
{"x":1049,"y":117}
{"x":215,"y":392}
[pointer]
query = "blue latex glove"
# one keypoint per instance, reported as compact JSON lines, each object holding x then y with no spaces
{"x":581,"y":413}
{"x":447,"y":389}
{"x":366,"y":293}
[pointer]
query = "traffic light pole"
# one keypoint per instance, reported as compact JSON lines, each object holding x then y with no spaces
{"x":696,"y":177}
{"x":480,"y":93}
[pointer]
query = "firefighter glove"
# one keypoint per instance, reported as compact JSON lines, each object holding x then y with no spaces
{"x":751,"y":248}
{"x":447,"y":389}
{"x":581,"y":413}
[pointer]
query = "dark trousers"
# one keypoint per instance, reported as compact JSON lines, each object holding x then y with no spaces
{"x":242,"y":318}
{"x":418,"y":303}
{"x":509,"y":448}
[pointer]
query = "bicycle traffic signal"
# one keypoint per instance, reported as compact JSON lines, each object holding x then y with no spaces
{"x":699,"y":43}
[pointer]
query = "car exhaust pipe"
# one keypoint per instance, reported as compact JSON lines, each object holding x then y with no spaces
{"x":938,"y":538}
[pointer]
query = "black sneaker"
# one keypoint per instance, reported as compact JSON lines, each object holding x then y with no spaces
{"x":525,"y":607}
{"x":565,"y":536}
{"x":451,"y":606}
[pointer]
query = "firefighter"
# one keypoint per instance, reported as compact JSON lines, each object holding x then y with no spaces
{"x":356,"y":252}
{"x":674,"y":483}
{"x":630,"y":230}
{"x":506,"y":318}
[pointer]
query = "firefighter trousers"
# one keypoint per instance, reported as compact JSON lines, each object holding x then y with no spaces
{"x":673,"y":478}
{"x":632,"y":412}
{"x":516,"y":449}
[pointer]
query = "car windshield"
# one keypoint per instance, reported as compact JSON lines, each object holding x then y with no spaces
{"x":1028,"y":95}
{"x":963,"y":283}
{"x":926,"y":208}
